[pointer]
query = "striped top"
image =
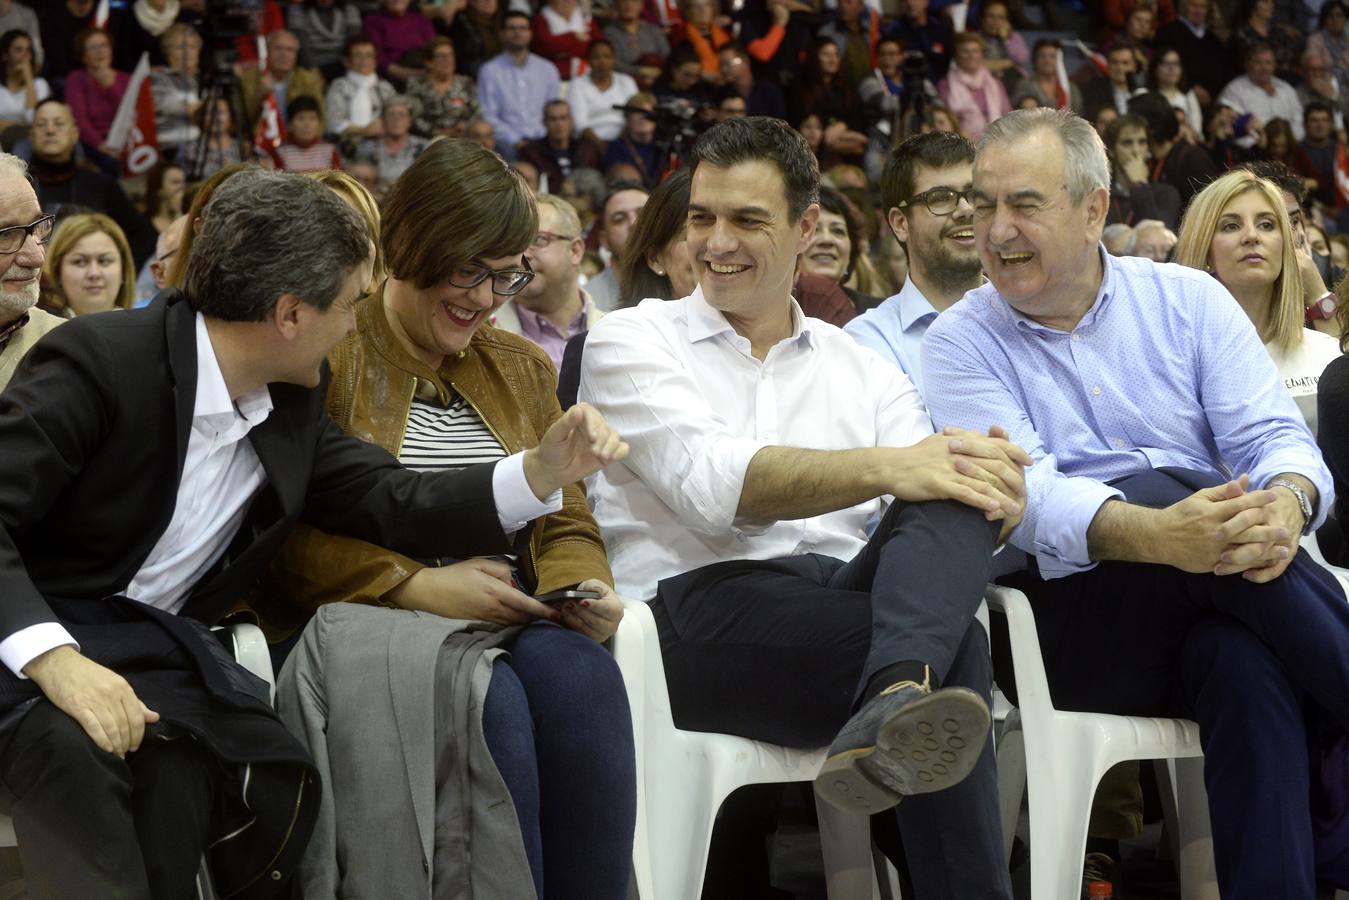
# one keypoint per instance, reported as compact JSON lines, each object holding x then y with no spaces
{"x":446,"y":438}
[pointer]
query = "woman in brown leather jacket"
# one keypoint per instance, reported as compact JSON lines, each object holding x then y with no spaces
{"x":429,"y":379}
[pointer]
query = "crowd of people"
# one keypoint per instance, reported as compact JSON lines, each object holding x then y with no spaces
{"x":461,"y":323}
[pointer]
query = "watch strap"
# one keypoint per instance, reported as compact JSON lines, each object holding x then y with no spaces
{"x":1303,"y":501}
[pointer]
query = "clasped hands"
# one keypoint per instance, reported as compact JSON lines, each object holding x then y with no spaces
{"x":1230,"y":529}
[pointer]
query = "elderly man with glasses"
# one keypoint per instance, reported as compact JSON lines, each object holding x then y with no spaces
{"x":23,"y":231}
{"x":554,"y":307}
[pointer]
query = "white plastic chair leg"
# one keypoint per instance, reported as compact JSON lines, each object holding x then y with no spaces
{"x":1198,"y":871}
{"x":887,"y":878}
{"x":1011,"y":761}
{"x":845,"y":839}
{"x":1061,"y":786}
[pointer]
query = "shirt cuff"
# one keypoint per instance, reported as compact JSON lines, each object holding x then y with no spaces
{"x":516,"y":504}
{"x":1060,"y":541}
{"x":27,"y":644}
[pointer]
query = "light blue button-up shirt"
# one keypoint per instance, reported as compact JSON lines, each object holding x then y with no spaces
{"x":895,"y":330}
{"x":1165,"y":369}
{"x":512,"y":96}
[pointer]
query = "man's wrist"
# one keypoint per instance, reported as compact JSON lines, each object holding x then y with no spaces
{"x":538,"y":476}
{"x":1295,"y":502}
{"x":40,"y":666}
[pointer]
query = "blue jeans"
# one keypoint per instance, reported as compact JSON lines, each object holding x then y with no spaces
{"x":557,"y":723}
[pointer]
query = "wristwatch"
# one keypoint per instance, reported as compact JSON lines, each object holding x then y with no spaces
{"x":1303,"y":501}
{"x":1323,"y":308}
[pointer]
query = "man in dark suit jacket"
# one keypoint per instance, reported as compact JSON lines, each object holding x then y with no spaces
{"x":1207,"y":63}
{"x":155,"y":461}
{"x":1115,"y":87}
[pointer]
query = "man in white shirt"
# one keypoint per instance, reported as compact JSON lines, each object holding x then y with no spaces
{"x":159,"y":457}
{"x":762,"y":443}
{"x":1263,"y":95}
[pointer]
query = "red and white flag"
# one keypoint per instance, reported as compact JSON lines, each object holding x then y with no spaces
{"x":271,"y":129}
{"x":1096,"y":59}
{"x":133,"y":128}
{"x":1064,"y":90}
{"x":1341,"y":177}
{"x":101,"y":14}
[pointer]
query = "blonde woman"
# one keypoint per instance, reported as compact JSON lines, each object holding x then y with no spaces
{"x":88,"y":268}
{"x":1238,"y":230}
{"x":361,"y":200}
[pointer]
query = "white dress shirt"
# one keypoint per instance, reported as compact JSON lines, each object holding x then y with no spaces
{"x":221,"y":474}
{"x":594,"y":109}
{"x":1245,"y":96}
{"x":695,"y":406}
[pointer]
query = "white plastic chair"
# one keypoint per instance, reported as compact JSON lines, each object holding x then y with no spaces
{"x":683,"y":777}
{"x":1060,"y":758}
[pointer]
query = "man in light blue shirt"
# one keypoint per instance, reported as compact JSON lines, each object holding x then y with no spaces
{"x":925,"y":188}
{"x":514,"y":86}
{"x":1169,"y":460}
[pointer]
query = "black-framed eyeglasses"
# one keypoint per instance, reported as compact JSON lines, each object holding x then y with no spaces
{"x":940,"y":201}
{"x":505,"y":282}
{"x":13,"y":237}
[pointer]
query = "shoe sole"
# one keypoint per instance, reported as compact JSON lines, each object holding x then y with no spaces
{"x":929,"y":745}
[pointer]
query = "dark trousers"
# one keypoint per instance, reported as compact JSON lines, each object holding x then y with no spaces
{"x":1242,"y":659}
{"x":557,"y":723}
{"x":776,"y":650}
{"x":92,"y":825}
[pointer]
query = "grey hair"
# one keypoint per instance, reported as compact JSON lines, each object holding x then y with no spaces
{"x":1120,"y":230}
{"x":13,"y":165}
{"x":402,"y":100}
{"x":1086,"y":167}
{"x":265,"y":234}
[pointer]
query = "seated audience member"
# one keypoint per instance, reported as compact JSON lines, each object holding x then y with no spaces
{"x":139,"y":30}
{"x":175,"y":89}
{"x":323,"y":28}
{"x":354,"y":101}
{"x":561,"y":149}
{"x":1138,"y":32}
{"x":836,"y":247}
{"x":98,"y":402}
{"x":1113,"y":89}
{"x":701,"y":31}
{"x":928,"y":32}
{"x":60,"y":182}
{"x":1118,"y":239}
{"x":1132,"y":547}
{"x":166,"y":248}
{"x":88,"y":268}
{"x":1261,"y":94}
{"x":1332,"y":408}
{"x":855,"y":29}
{"x":283,"y":79}
{"x":553,"y":714}
{"x":1152,"y":240}
{"x":1256,"y":25}
{"x":762,"y":98}
{"x":1339,"y":250}
{"x":1176,"y":161}
{"x":971,"y":90}
{"x":444,"y":101}
{"x":514,"y":85}
{"x":824,"y":90}
{"x":730,"y":104}
{"x":396,"y":147}
{"x":1281,"y":146}
{"x":1005,"y":51}
{"x":304,"y":149}
{"x":925,"y":190}
{"x":1134,"y":196}
{"x":562,"y":32}
{"x":1044,"y":84}
{"x":529,"y":174}
{"x":480,"y":131}
{"x":728,"y":395}
{"x":165,"y":188}
{"x":22,"y":89}
{"x":359,"y":198}
{"x":1166,"y":76}
{"x":196,"y":216}
{"x":476,"y":35}
{"x":62,"y":18}
{"x":1237,"y":228}
{"x":21,"y":321}
{"x":639,"y":46}
{"x":1319,"y":150}
{"x":218,"y":145}
{"x":595,"y":94}
{"x":654,"y":261}
{"x":397,"y":31}
{"x":635,"y":144}
{"x":94,"y":92}
{"x":1207,"y":59}
{"x":1330,"y":42}
{"x":553,"y":307}
{"x":682,"y":79}
{"x":618,"y":216}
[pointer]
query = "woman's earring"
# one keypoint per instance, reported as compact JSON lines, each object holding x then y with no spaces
{"x":658,"y":270}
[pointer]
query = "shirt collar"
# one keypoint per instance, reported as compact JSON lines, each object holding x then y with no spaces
{"x":1196,"y":30}
{"x":913,"y":306}
{"x":8,"y":331}
{"x":574,"y":327}
{"x":213,"y":397}
{"x":706,"y":322}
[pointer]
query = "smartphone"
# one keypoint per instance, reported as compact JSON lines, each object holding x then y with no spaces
{"x":557,"y":598}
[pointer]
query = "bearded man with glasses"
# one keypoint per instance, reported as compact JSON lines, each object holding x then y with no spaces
{"x":21,"y":255}
{"x":554,"y":308}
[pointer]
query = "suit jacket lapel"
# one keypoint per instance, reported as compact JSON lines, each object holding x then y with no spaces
{"x":180,"y":332}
